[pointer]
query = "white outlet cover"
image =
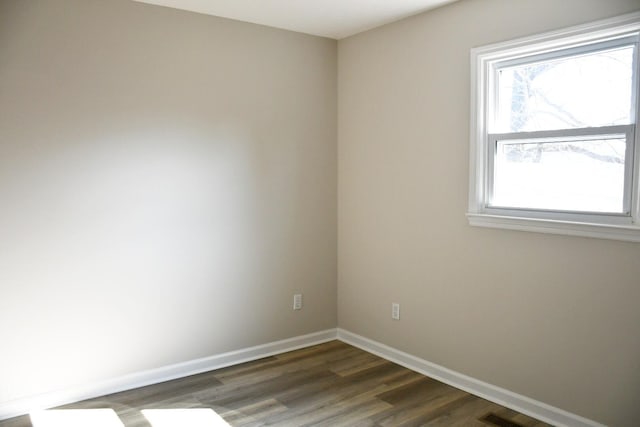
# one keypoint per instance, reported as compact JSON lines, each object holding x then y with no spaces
{"x":297,"y":302}
{"x":395,"y":311}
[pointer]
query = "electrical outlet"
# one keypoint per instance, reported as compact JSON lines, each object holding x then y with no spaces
{"x":297,"y":302}
{"x":395,"y":311}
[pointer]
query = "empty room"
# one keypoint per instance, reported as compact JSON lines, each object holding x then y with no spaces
{"x":319,"y":213}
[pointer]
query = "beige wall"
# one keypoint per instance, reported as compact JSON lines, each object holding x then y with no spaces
{"x":554,"y":318}
{"x":167,"y":182}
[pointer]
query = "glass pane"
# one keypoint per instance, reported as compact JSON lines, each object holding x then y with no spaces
{"x":585,"y":90}
{"x":571,"y":175}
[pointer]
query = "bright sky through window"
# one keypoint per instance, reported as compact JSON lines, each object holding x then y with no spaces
{"x":554,"y":141}
{"x":584,"y":90}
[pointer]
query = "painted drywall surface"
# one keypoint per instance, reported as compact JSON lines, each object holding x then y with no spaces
{"x":554,"y":318}
{"x":167,"y":180}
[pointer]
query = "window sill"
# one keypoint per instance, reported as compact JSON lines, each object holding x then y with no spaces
{"x":627,"y":233}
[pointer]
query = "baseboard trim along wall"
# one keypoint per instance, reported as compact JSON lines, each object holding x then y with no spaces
{"x":501,"y":396}
{"x":52,"y":399}
{"x":528,"y":406}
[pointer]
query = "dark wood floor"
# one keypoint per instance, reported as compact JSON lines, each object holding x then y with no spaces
{"x":332,"y":384}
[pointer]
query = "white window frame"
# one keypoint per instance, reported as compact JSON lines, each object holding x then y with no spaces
{"x":625,"y":226}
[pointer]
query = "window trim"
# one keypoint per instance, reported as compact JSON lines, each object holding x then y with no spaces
{"x":627,"y":227}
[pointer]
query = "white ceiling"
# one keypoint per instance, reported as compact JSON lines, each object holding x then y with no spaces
{"x":335,"y":19}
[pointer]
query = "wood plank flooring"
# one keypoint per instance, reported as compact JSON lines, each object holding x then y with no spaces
{"x":332,"y":384}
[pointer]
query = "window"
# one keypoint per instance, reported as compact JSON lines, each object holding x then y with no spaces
{"x":554,"y":146}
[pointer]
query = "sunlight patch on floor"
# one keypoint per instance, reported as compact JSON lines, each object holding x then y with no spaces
{"x":76,"y":418}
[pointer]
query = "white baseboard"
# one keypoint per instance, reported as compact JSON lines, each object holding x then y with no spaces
{"x":520,"y":403}
{"x":28,"y":404}
{"x":531,"y":407}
